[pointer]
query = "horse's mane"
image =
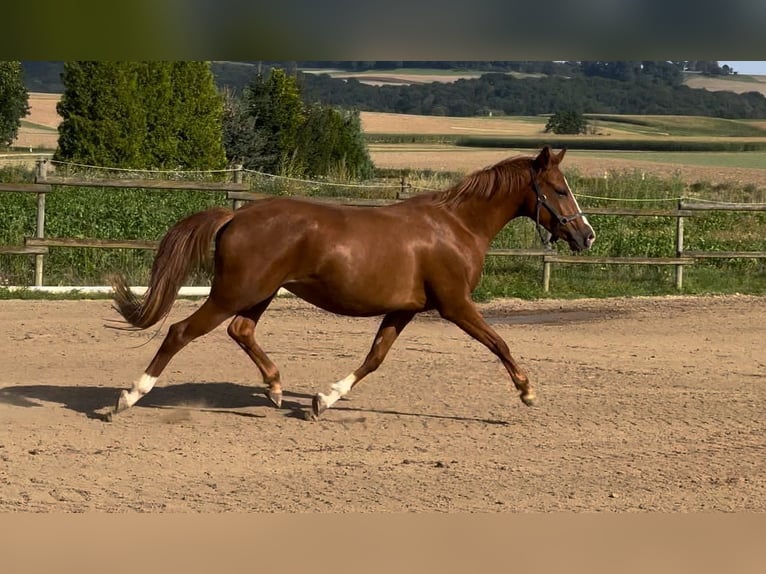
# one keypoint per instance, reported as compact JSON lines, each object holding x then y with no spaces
{"x":484,"y":183}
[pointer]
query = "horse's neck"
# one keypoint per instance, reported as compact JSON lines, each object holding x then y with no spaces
{"x":485,"y":217}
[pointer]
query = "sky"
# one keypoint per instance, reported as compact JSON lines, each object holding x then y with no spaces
{"x":748,"y":67}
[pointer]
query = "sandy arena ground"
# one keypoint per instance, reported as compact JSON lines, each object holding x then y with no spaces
{"x":644,"y":405}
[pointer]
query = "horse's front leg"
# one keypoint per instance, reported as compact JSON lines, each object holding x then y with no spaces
{"x":467,"y":317}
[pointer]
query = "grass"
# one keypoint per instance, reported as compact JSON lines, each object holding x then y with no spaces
{"x":30,"y":125}
{"x":31,"y":294}
{"x":748,"y":160}
{"x":696,"y":126}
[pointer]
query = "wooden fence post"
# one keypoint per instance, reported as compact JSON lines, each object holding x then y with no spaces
{"x":41,"y":176}
{"x":404,"y":186}
{"x":546,"y":275}
{"x":679,"y":248}
{"x":237,"y":203}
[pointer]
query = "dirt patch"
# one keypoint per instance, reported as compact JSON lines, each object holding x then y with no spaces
{"x":645,"y":404}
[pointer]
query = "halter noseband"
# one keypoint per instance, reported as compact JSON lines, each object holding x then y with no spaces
{"x":542,"y":201}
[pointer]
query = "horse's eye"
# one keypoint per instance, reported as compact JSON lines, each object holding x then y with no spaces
{"x":560,"y":191}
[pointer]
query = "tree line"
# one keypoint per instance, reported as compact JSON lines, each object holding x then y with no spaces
{"x":615,"y":89}
{"x":228,"y":73}
{"x":595,"y":87}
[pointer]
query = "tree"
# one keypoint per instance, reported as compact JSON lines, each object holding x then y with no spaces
{"x":162,"y":147}
{"x":566,"y":122}
{"x":198,"y":110}
{"x":14,"y":101}
{"x":276,"y":107}
{"x":244,"y":144}
{"x":273,"y":130}
{"x":331,"y":141}
{"x":141,"y":114}
{"x":102,"y":122}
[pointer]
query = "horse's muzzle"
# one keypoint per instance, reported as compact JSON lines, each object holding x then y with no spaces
{"x":582,"y":238}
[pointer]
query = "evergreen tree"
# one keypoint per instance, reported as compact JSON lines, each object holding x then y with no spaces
{"x":243,"y":143}
{"x":331,"y":142}
{"x":199,"y":116}
{"x":276,"y":107}
{"x":272,"y":130}
{"x":14,"y":101}
{"x":162,"y":148}
{"x":141,"y":114}
{"x":102,"y":123}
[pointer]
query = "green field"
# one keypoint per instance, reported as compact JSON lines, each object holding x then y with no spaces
{"x":693,"y":126}
{"x":747,"y":160}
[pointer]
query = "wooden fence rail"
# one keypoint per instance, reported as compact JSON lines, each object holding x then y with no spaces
{"x":238,"y":192}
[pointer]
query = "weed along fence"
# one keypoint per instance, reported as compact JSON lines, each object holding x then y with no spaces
{"x":236,"y":191}
{"x":678,"y":261}
{"x":44,"y":185}
{"x":685,"y":209}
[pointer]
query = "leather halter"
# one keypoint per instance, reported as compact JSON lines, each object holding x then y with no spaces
{"x":542,"y":201}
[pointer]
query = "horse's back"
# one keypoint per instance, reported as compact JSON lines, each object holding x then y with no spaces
{"x":324,"y":224}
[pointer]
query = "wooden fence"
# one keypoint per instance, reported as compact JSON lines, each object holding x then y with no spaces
{"x":238,"y":192}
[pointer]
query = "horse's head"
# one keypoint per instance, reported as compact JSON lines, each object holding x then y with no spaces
{"x":555,"y":207}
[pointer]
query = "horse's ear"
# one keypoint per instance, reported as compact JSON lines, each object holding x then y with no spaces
{"x":543,"y":159}
{"x":560,"y":155}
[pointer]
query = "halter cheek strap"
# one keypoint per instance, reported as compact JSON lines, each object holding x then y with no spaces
{"x":542,"y":201}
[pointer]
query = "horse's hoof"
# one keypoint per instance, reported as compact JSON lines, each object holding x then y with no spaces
{"x":318,"y":406}
{"x":529,"y":398}
{"x":122,"y":403}
{"x":275,"y":397}
{"x":107,"y":417}
{"x":310,"y":416}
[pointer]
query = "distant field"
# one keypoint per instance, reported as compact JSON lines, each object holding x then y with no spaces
{"x":37,"y":131}
{"x":715,"y":168}
{"x":408,"y":76}
{"x":609,"y":125}
{"x":404,"y":76}
{"x":388,"y":123}
{"x":738,"y":84}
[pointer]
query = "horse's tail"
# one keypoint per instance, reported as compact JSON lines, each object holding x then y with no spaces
{"x":185,"y":246}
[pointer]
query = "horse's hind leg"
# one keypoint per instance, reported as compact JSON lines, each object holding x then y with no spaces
{"x":389,"y":330}
{"x":242,"y":330}
{"x":202,"y":321}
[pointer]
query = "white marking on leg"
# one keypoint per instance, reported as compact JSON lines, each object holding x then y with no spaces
{"x":338,"y":390}
{"x":142,"y":386}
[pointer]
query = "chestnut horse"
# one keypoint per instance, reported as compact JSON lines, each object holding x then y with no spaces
{"x":424,"y":253}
